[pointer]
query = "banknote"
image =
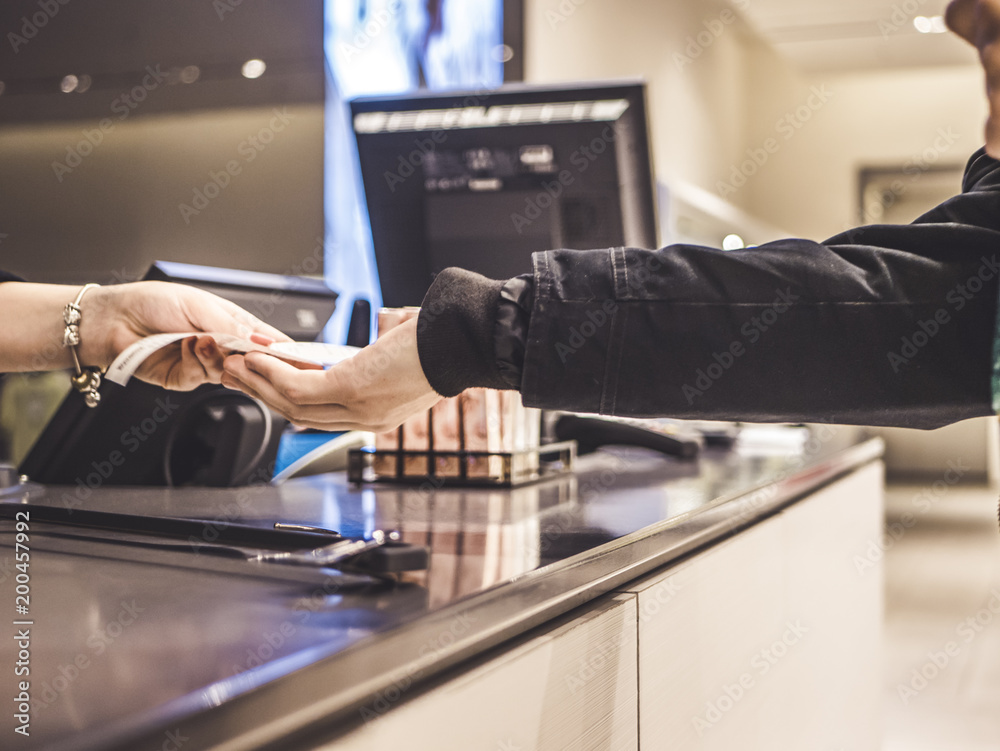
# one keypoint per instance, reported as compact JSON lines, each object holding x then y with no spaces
{"x":304,"y":353}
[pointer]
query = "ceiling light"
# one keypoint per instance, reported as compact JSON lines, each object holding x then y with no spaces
{"x":502,"y":53}
{"x":190,"y":74}
{"x":68,"y":84}
{"x":254,"y":68}
{"x":932,"y":25}
{"x":733,"y":242}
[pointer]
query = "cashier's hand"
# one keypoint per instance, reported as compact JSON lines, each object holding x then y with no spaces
{"x":116,"y":316}
{"x":978,"y":22}
{"x":375,"y":390}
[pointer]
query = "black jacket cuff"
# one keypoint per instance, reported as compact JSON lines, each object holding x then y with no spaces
{"x":455,"y":333}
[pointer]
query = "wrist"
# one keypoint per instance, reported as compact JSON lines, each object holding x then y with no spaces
{"x":100,"y":319}
{"x":455,"y":332}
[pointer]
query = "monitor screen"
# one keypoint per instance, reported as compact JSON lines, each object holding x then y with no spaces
{"x":483,"y":179}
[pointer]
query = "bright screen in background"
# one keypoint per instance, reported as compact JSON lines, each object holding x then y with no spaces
{"x":389,"y":47}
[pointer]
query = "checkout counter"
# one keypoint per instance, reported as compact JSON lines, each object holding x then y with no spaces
{"x":731,"y":601}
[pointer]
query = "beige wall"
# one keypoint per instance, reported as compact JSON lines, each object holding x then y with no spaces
{"x":706,"y":115}
{"x":912,"y":118}
{"x":119,"y":208}
{"x":697,"y":109}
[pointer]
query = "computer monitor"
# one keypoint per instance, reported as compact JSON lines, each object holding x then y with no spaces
{"x":483,"y":179}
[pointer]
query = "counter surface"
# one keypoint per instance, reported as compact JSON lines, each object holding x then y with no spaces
{"x":131,"y":644}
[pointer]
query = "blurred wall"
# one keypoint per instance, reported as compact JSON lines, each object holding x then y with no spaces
{"x":916,"y":118}
{"x":228,"y":187}
{"x":715,"y":106}
{"x":697,"y":98}
{"x":158,"y":115}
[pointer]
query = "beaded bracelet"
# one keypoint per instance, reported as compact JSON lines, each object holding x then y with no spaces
{"x":87,"y":380}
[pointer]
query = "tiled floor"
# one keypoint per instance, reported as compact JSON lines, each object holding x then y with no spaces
{"x":942,"y":636}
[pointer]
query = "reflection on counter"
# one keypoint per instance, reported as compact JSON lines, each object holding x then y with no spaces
{"x":477,"y":538}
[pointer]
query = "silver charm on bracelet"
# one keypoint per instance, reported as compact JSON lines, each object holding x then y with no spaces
{"x":87,"y":380}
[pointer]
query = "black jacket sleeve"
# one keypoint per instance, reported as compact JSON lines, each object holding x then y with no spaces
{"x":882,"y":325}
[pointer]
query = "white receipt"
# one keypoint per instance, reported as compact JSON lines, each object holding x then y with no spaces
{"x":309,"y":353}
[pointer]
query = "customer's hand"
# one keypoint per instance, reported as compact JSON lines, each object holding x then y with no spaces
{"x":978,"y":22}
{"x":376,"y":390}
{"x":116,"y":316}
